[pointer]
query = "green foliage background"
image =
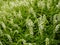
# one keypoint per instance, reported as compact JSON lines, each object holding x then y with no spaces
{"x":29,"y":22}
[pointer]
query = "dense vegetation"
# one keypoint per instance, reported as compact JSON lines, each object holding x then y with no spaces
{"x":29,"y":22}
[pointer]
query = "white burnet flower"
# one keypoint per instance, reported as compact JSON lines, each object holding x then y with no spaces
{"x":16,"y":31}
{"x":58,"y":17}
{"x":57,"y":28}
{"x":55,"y":19}
{"x":44,"y":18}
{"x":41,"y":4}
{"x":31,"y":30}
{"x":31,"y":10}
{"x":12,"y":4}
{"x":30,"y":25}
{"x":49,"y":2}
{"x":31,"y":1}
{"x":47,"y":41}
{"x":40,"y":25}
{"x":3,"y":14}
{"x":4,"y":18}
{"x":19,"y":15}
{"x":9,"y":37}
{"x":25,"y":43}
{"x":11,"y":21}
{"x":21,"y":40}
{"x":15,"y":25}
{"x":41,"y":22}
{"x":5,"y":6}
{"x":19,"y":3}
{"x":10,"y":29}
{"x":30,"y":43}
{"x":24,"y":3}
{"x":1,"y":32}
{"x":14,"y":13}
{"x":58,"y":5}
{"x":3,"y":25}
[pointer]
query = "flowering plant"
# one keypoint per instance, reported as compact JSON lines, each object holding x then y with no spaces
{"x":29,"y":22}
